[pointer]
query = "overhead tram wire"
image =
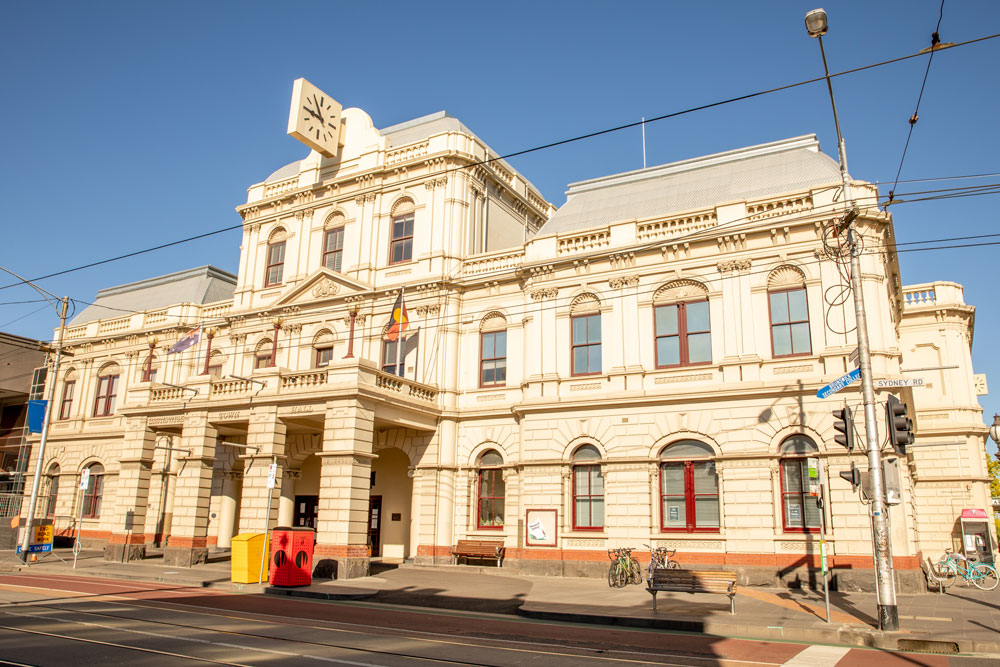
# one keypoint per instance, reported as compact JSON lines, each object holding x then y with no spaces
{"x":490,"y":160}
{"x":935,"y":41}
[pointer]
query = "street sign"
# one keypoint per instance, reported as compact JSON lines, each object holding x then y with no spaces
{"x":41,"y":542}
{"x":839,"y":383}
{"x":85,"y":479}
{"x":272,"y":473}
{"x":890,"y":384}
{"x":814,"y":481}
{"x":856,"y":357}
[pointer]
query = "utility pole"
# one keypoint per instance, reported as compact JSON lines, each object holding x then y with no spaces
{"x":37,"y":480}
{"x":888,"y":611}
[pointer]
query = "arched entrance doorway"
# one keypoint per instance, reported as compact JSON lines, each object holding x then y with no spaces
{"x":389,"y":505}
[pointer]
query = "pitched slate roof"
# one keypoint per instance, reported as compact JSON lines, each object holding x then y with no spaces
{"x":745,"y":174}
{"x":204,"y":284}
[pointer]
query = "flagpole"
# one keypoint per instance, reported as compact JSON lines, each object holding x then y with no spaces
{"x":399,"y":338}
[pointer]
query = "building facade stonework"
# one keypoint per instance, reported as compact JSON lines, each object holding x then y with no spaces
{"x":644,"y":361}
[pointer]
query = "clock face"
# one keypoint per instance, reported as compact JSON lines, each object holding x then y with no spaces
{"x":314,"y":118}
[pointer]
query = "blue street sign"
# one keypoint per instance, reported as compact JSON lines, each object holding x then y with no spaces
{"x":36,"y":416}
{"x":839,"y":383}
{"x":36,"y":548}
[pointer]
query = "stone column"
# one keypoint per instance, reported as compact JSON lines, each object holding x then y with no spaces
{"x":227,"y":508}
{"x":128,"y":539}
{"x":267,"y":432}
{"x":444,"y":528}
{"x":344,"y":490}
{"x":286,"y":501}
{"x":188,"y":541}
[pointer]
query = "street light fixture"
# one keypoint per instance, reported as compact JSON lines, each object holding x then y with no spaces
{"x":888,"y":612}
{"x":995,"y":430}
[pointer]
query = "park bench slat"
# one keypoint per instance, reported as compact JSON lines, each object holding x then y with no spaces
{"x":478,"y":549}
{"x":694,"y":581}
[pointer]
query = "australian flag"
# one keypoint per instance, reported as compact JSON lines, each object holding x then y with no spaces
{"x":189,"y":339}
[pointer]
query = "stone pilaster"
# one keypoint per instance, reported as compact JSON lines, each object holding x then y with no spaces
{"x":128,"y":540}
{"x":188,"y":542}
{"x":266,"y":432}
{"x":345,"y":484}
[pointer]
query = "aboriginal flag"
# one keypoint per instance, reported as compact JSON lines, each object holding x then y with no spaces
{"x":398,"y":320}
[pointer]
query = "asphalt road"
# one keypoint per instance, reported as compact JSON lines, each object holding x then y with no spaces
{"x":59,"y":621}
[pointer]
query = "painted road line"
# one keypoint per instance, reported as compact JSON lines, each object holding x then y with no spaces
{"x":819,"y":656}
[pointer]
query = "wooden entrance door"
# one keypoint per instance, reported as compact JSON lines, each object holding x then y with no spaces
{"x":306,"y":511}
{"x":375,"y":524}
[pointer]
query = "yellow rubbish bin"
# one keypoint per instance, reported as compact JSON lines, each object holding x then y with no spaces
{"x":246,"y":552}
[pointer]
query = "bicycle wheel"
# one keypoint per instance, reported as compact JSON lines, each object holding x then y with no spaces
{"x":984,"y":576}
{"x":674,"y":565}
{"x":635,"y":571}
{"x":613,"y":574}
{"x":944,"y":574}
{"x":622,"y":575}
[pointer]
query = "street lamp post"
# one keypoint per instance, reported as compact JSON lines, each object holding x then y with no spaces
{"x":995,"y":430}
{"x":888,"y":612}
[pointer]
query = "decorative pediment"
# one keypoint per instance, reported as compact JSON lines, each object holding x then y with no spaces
{"x":323,"y":285}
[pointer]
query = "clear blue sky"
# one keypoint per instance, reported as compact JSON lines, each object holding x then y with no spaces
{"x":127,"y":125}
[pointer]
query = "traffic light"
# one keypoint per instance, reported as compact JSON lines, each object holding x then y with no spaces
{"x":844,"y":424}
{"x":900,"y":426}
{"x":853,"y":476}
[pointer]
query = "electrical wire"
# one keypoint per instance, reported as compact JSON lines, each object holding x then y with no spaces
{"x":935,"y":40}
{"x":490,"y":160}
{"x":17,"y":319}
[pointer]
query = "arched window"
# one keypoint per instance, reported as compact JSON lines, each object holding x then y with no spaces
{"x":493,"y":351}
{"x":215,"y":362}
{"x":107,"y":391}
{"x":799,"y":510}
{"x":262,"y":354}
{"x":150,"y":366}
{"x":69,"y":388}
{"x":588,"y":489}
{"x":786,"y":298}
{"x":401,"y":233}
{"x":683,"y":334}
{"x":586,"y":335}
{"x":323,"y":349}
{"x":275,"y":258}
{"x":491,"y":491}
{"x":94,"y":492}
{"x":689,"y":488}
{"x":52,"y":481}
{"x":333,"y":242}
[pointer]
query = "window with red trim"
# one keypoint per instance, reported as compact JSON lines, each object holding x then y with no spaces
{"x":799,"y":510}
{"x":789,"y":322}
{"x":149,"y":368}
{"x":94,"y":492}
{"x":67,"y":399}
{"x":588,"y":489}
{"x":324,"y":355}
{"x":275,"y":263}
{"x":492,"y":491}
{"x":689,"y":489}
{"x":683,"y":335}
{"x":493,"y":358}
{"x":53,"y":480}
{"x":586,"y":348}
{"x":333,"y":249}
{"x":107,"y":392}
{"x":401,"y":245}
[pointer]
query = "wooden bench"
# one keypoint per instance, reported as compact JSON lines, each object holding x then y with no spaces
{"x":694,"y":581}
{"x":478,"y":549}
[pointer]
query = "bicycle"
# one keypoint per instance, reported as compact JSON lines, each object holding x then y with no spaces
{"x":953,"y":565}
{"x":624,"y":568}
{"x":660,"y":558}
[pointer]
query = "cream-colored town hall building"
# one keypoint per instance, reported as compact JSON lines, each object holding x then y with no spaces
{"x":637,"y":367}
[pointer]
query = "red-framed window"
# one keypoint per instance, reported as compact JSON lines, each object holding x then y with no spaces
{"x":586,"y":344}
{"x":53,"y":479}
{"x":492,"y":358}
{"x":789,"y":314}
{"x":149,"y":368}
{"x":390,"y":355}
{"x":324,"y":355}
{"x":262,"y":355}
{"x":588,"y":489}
{"x":492,"y":492}
{"x":401,"y":243}
{"x":66,"y":404}
{"x":333,"y":249}
{"x":95,"y":491}
{"x":275,"y":263}
{"x":107,"y":392}
{"x":689,"y":489}
{"x":683,"y":334}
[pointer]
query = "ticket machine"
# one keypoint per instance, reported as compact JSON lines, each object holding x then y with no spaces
{"x":976,"y":542}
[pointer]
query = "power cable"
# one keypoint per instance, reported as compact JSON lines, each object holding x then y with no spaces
{"x":935,"y":40}
{"x":490,"y":160}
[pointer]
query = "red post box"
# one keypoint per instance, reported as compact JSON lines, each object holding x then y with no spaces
{"x":291,"y":556}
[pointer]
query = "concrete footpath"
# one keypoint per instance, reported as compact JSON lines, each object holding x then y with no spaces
{"x":964,"y":620}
